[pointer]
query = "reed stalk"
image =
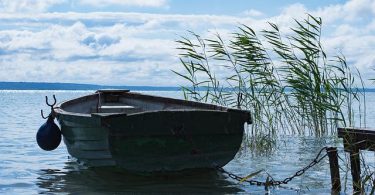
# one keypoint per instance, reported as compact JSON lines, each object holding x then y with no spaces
{"x":287,"y":82}
{"x":290,"y":87}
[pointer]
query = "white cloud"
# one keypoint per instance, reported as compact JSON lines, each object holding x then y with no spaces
{"x":139,"y":48}
{"x":253,"y":13}
{"x":140,"y":3}
{"x":37,"y":6}
{"x":27,"y":5}
{"x":348,"y":29}
{"x":357,"y":8}
{"x":285,"y":20}
{"x":121,"y":48}
{"x":351,"y":11}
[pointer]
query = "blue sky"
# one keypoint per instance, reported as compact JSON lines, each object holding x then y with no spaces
{"x":132,"y":42}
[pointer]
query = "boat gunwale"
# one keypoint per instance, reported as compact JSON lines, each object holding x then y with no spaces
{"x":207,"y":107}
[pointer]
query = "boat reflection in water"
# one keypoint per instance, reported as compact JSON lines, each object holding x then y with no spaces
{"x":75,"y":179}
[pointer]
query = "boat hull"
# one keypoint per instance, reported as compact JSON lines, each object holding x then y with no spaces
{"x":170,"y":140}
{"x":86,"y":140}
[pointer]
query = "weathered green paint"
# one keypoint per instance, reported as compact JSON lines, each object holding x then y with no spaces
{"x":173,"y":140}
{"x":168,"y":153}
{"x":166,"y":140}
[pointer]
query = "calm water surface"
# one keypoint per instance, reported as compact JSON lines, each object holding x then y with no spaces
{"x":26,"y":169}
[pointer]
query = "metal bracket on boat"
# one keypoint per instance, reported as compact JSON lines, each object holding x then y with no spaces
{"x":52,"y":114}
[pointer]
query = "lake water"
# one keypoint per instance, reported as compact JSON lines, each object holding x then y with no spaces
{"x":26,"y":169}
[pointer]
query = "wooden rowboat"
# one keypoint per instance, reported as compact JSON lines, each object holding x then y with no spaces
{"x":144,"y":133}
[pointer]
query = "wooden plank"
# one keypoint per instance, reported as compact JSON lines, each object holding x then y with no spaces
{"x":112,"y":91}
{"x":355,"y":130}
{"x":90,"y":145}
{"x":79,"y":133}
{"x":89,"y":155}
{"x":178,"y":123}
{"x":355,"y":138}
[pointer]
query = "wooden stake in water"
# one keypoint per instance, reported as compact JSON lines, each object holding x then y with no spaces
{"x":355,"y":169}
{"x":334,"y":168}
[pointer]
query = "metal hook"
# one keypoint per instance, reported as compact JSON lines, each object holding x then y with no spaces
{"x":54,"y":103}
{"x":41,"y":113}
{"x":50,"y":105}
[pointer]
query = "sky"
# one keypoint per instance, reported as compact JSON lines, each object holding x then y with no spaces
{"x":132,"y":42}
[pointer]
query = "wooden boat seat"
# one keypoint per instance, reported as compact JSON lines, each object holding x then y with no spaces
{"x":116,"y":109}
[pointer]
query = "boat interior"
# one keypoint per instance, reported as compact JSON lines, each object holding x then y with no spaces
{"x":123,"y":101}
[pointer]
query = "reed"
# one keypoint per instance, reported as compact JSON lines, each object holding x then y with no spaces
{"x":288,"y":82}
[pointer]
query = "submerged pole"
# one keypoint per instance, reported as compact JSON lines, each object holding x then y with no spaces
{"x":334,"y":168}
{"x":355,"y":169}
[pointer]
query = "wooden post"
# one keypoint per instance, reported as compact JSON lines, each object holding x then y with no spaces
{"x":355,"y":169}
{"x":334,"y":168}
{"x":356,"y":139}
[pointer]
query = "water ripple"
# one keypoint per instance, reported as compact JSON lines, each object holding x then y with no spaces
{"x":26,"y":169}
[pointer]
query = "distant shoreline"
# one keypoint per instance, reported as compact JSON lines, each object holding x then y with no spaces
{"x":77,"y":86}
